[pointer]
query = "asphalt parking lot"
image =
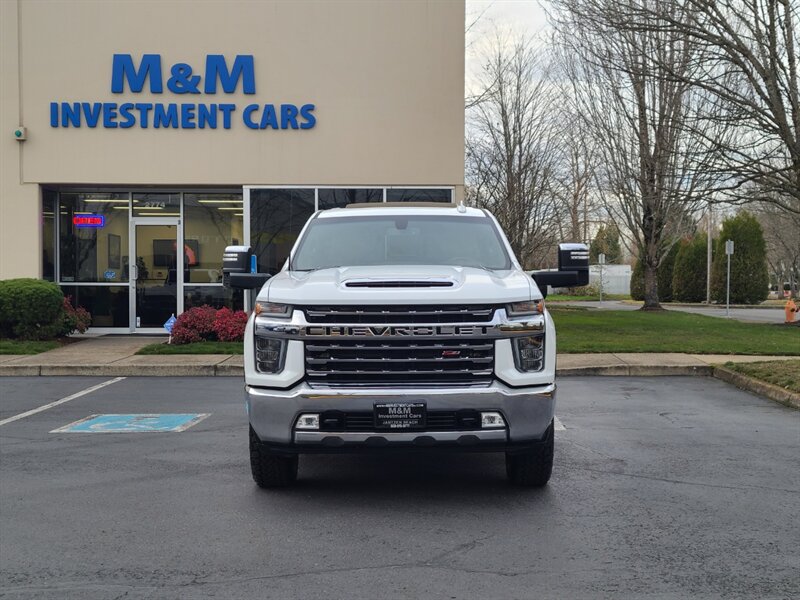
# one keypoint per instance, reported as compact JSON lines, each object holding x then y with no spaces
{"x":663,"y":488}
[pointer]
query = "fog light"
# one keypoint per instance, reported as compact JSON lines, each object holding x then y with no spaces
{"x":492,"y":420}
{"x":308,"y":421}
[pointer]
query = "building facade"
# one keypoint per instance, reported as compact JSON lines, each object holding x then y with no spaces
{"x":139,"y":138}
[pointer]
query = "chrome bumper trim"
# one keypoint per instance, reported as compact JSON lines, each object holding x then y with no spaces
{"x":419,"y":438}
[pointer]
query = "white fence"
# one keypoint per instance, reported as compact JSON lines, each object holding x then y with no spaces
{"x":616,"y":278}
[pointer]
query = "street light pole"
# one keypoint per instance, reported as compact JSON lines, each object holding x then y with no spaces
{"x":729,"y":252}
{"x":708,"y":257}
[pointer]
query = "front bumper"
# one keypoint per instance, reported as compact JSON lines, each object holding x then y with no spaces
{"x":527,"y":411}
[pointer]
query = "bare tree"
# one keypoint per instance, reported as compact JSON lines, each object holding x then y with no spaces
{"x":574,"y":179}
{"x":782,"y":236}
{"x":749,"y":63}
{"x":510,"y":148}
{"x":640,"y":120}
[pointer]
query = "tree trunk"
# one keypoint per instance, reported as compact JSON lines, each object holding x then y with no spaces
{"x":650,"y":287}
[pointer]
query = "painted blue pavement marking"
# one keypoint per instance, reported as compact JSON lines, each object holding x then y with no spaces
{"x":133,"y":423}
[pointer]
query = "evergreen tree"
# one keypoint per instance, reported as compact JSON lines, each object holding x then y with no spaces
{"x":606,"y":241}
{"x":749,"y":275}
{"x":689,"y":274}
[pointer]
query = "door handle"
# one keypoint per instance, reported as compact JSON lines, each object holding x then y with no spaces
{"x":134,"y":273}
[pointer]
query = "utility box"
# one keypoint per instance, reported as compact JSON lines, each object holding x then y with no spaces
{"x":235,"y":259}
{"x":575,"y":257}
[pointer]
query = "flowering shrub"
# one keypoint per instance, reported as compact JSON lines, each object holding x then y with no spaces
{"x":229,"y":325}
{"x":205,"y":323}
{"x":195,"y":325}
{"x":76,"y":318}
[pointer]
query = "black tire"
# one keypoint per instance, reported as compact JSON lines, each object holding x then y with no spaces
{"x":270,"y":470}
{"x":533,"y":467}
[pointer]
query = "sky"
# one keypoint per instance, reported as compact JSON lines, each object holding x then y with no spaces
{"x":520,"y":17}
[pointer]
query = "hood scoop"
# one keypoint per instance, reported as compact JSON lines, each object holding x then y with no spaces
{"x":399,"y":283}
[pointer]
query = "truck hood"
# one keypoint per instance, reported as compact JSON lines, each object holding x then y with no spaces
{"x":398,"y":285}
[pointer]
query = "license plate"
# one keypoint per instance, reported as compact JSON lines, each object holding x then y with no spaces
{"x":400,"y":415}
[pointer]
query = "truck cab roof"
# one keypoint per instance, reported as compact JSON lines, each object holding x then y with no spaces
{"x":401,"y":208}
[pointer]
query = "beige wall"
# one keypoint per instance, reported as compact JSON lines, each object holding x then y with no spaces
{"x":386,"y":77}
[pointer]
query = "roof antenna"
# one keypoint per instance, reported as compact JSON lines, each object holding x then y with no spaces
{"x":461,"y":208}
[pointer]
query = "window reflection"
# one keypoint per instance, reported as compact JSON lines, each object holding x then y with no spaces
{"x":211,"y":222}
{"x":419,"y":195}
{"x":49,"y":199}
{"x":93,"y":254}
{"x":341,"y":197}
{"x":212,"y":295}
{"x":276,"y":218}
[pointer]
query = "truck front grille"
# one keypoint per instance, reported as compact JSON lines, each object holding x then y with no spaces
{"x":394,"y":313}
{"x":401,"y":362}
{"x":437,"y":420}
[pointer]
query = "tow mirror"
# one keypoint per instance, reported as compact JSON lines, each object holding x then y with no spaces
{"x":239,"y":269}
{"x":573,"y":269}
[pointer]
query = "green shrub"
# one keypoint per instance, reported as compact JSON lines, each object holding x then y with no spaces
{"x":31,"y":309}
{"x":689,"y":274}
{"x":749,"y":275}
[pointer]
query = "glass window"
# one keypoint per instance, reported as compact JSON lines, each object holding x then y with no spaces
{"x":276,"y":218}
{"x":419,"y":195}
{"x":108,"y":304}
{"x":401,"y":240}
{"x":49,"y":199}
{"x":212,"y":295}
{"x":157,"y":205}
{"x":338,"y":198}
{"x":211,"y":222}
{"x":93,"y":237}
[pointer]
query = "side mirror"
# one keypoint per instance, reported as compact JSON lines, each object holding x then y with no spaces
{"x":248,"y":281}
{"x":238,"y":266}
{"x":573,"y":268}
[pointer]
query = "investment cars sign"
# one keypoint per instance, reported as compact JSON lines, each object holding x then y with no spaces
{"x":182,"y":82}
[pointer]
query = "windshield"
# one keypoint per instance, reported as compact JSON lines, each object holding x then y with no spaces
{"x":401,"y":240}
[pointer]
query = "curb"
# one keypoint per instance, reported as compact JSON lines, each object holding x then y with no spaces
{"x":762,"y":388}
{"x":768,"y":390}
{"x":637,"y":370}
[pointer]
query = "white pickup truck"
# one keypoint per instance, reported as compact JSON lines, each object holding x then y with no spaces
{"x":400,"y":328}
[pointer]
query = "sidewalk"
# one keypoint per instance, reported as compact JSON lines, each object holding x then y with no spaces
{"x":115,"y":356}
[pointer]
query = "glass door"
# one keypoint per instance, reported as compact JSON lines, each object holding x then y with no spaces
{"x":155,"y":276}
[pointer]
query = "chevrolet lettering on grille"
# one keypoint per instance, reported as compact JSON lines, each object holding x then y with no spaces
{"x":387,"y":331}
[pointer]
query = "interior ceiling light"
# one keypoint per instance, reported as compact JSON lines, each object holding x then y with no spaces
{"x":210,"y":201}
{"x":107,"y":200}
{"x":149,"y":214}
{"x":229,"y":208}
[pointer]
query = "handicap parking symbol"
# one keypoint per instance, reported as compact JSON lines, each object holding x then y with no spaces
{"x":133,"y":423}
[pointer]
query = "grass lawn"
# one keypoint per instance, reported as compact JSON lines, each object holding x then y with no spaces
{"x":668,"y":331}
{"x":196,"y":348}
{"x":783,"y":373}
{"x":21,"y":347}
{"x":575,"y":298}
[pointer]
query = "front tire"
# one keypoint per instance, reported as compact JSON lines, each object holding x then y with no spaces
{"x":271,"y":470}
{"x":532,"y":468}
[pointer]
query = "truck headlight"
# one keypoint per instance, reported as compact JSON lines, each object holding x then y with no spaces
{"x":529,"y":353}
{"x":270,"y":353}
{"x":271,"y":309}
{"x":520,"y":309}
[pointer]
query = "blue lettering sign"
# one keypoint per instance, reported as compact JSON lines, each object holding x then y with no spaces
{"x":137,"y":75}
{"x":217,"y":69}
{"x":123,"y":69}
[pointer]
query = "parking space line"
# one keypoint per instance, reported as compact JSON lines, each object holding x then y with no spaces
{"x":558,"y":425}
{"x":34,"y":411}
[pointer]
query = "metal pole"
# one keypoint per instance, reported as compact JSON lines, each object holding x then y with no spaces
{"x":708,"y":258}
{"x":728,"y":292}
{"x":601,"y":283}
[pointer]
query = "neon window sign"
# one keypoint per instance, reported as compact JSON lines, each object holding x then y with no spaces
{"x":95,"y":221}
